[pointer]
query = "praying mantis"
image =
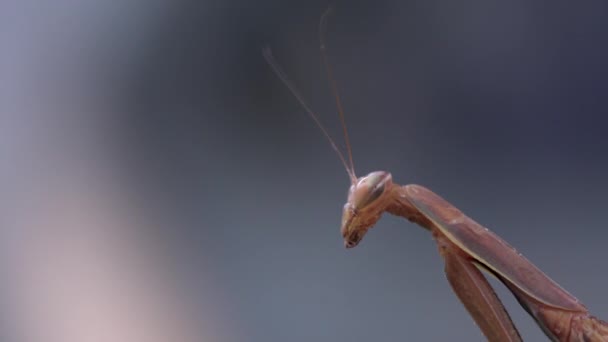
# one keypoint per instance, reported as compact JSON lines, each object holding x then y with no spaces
{"x":467,"y":247}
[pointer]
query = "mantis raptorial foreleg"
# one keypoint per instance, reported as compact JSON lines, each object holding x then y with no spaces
{"x":466,"y":246}
{"x":474,"y":291}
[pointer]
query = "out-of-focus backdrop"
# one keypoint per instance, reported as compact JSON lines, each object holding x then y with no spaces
{"x":159,"y":183}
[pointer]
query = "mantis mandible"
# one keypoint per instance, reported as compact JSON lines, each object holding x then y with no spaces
{"x":467,"y":247}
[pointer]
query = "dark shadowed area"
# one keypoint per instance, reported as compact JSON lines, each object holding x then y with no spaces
{"x":161,"y":184}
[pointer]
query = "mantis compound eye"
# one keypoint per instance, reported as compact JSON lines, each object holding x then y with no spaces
{"x":370,"y":188}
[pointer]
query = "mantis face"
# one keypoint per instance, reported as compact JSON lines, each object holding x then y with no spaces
{"x":366,"y":201}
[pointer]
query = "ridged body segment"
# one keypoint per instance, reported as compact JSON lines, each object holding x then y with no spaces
{"x":559,"y":314}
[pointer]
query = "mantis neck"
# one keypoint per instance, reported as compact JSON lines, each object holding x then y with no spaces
{"x":399,"y":206}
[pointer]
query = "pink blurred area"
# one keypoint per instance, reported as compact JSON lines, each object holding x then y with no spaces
{"x":87,"y":258}
{"x":84,"y":271}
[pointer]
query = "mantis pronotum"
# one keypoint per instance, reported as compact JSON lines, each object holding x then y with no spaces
{"x":467,"y":247}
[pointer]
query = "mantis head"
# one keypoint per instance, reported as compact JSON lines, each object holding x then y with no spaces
{"x":368,"y":195}
{"x":367,"y":199}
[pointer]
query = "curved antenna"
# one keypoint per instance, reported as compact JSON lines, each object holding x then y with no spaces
{"x":281,"y":74}
{"x":334,"y":87}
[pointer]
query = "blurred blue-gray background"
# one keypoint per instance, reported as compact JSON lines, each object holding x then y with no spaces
{"x":159,"y":183}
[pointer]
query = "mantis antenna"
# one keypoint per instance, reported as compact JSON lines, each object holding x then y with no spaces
{"x":334,"y":87}
{"x":350,"y":169}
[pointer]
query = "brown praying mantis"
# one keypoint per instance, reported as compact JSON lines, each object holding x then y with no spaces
{"x":466,"y":246}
